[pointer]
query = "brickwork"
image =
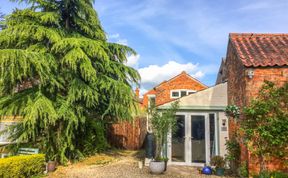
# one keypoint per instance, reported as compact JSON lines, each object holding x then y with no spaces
{"x":242,"y":89}
{"x":162,"y":91}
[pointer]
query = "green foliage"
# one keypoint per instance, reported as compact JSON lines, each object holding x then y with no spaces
{"x":233,"y":149}
{"x":232,"y":111}
{"x":233,"y":153}
{"x":266,"y":123}
{"x":162,"y":122}
{"x":95,"y":140}
{"x":275,"y":174}
{"x":218,"y":161}
{"x":22,"y":166}
{"x":243,"y":170}
{"x":59,"y":72}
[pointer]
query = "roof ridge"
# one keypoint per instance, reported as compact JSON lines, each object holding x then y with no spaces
{"x":182,"y":73}
{"x":231,"y":35}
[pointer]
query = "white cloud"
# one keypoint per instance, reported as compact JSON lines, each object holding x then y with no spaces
{"x":122,"y":41}
{"x":142,"y":92}
{"x":155,"y":74}
{"x":113,"y":36}
{"x":198,"y":74}
{"x":132,"y":61}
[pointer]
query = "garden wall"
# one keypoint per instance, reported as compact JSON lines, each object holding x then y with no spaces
{"x":128,"y":135}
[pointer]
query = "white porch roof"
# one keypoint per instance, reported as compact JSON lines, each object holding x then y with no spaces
{"x":213,"y":98}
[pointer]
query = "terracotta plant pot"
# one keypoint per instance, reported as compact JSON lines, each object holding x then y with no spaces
{"x":157,"y":167}
{"x":51,"y":166}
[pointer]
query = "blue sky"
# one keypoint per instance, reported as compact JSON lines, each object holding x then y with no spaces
{"x":175,"y":35}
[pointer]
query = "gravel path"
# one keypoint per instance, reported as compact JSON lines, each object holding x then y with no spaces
{"x":120,"y":166}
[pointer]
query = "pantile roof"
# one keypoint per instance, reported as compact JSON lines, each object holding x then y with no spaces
{"x":261,"y":50}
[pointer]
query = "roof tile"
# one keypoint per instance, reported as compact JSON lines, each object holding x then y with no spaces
{"x":261,"y":50}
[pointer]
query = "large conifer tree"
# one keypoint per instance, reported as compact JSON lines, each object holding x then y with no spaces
{"x":61,"y":75}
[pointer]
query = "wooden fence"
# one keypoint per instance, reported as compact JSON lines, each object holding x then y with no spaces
{"x":128,"y":135}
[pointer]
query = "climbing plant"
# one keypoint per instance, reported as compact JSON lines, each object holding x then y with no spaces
{"x":61,"y":75}
{"x":265,"y":125}
{"x":232,"y":111}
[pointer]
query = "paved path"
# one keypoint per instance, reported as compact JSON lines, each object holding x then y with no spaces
{"x":121,"y":166}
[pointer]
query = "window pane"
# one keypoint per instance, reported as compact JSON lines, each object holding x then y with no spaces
{"x":190,"y":92}
{"x":175,"y":94}
{"x":198,"y":139}
{"x":212,"y":135}
{"x":178,"y":140}
{"x":183,"y":93}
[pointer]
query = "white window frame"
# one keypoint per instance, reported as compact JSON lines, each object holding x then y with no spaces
{"x":179,"y":92}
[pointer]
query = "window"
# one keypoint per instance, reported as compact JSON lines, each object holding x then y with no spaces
{"x":180,"y":93}
{"x":175,"y":94}
{"x":183,"y":93}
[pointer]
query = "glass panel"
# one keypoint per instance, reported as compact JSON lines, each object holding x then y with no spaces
{"x":198,"y":139}
{"x":178,"y":140}
{"x":212,"y":135}
{"x":175,"y":94}
{"x":183,"y":93}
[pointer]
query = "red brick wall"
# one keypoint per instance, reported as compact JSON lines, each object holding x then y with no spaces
{"x":278,"y":75}
{"x":242,"y":89}
{"x":145,"y":97}
{"x":162,"y":92}
{"x":236,"y":90}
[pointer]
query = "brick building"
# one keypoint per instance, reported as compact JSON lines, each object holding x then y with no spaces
{"x":251,"y":59}
{"x":178,"y":86}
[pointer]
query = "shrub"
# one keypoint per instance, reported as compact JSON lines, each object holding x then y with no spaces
{"x":22,"y":166}
{"x":275,"y":174}
{"x":218,"y":161}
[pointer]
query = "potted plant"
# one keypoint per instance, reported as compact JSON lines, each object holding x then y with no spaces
{"x":52,"y":163}
{"x":219,"y":163}
{"x":161,"y":123}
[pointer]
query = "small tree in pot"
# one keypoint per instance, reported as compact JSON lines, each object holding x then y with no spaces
{"x":162,"y":122}
{"x":219,"y":163}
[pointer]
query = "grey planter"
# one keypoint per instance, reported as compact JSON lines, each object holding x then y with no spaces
{"x":157,"y":167}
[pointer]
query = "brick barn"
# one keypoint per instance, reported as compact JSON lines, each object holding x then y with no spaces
{"x":251,"y":59}
{"x":176,"y":87}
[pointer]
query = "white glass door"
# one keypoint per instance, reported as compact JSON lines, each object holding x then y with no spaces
{"x":189,"y":144}
{"x":178,"y":140}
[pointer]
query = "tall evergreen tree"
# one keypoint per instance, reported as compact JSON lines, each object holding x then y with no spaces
{"x":61,"y":75}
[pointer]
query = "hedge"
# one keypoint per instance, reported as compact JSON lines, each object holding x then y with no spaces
{"x":22,"y":166}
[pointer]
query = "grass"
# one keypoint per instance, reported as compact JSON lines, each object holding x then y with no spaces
{"x":100,"y":159}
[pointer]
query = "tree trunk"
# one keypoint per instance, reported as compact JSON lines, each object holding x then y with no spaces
{"x":262,"y":163}
{"x":158,"y":146}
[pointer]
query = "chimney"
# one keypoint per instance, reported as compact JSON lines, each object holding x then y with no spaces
{"x":137,"y":92}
